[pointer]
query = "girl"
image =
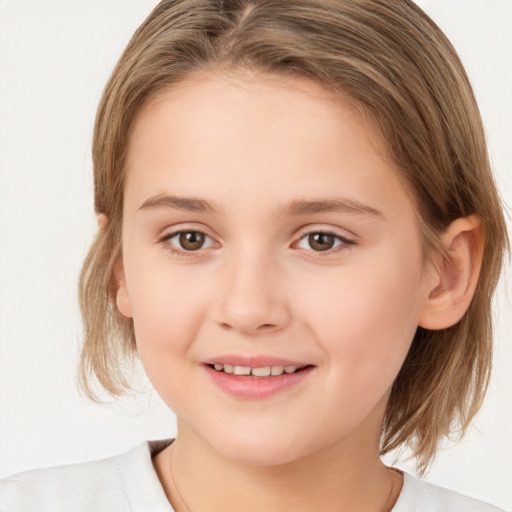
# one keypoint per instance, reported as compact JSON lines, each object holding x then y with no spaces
{"x":299,"y":237}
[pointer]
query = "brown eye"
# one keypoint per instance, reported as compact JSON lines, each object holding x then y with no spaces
{"x":321,"y":241}
{"x":191,"y":240}
{"x":183,"y":243}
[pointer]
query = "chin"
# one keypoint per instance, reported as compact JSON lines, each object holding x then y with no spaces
{"x":259,"y":446}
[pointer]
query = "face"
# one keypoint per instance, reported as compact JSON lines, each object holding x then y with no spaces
{"x":271,"y":264}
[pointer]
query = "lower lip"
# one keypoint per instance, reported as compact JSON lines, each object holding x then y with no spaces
{"x":256,"y":388}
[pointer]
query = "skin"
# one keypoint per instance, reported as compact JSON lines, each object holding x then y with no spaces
{"x":251,"y":146}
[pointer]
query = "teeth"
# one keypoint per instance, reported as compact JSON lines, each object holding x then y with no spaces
{"x":242,"y":370}
{"x":265,"y":371}
{"x":261,"y":372}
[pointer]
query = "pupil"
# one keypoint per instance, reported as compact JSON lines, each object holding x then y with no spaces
{"x":321,"y":241}
{"x":191,"y":240}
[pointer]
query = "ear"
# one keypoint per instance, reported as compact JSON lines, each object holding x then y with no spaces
{"x":455,"y":275}
{"x":122,"y":298}
{"x":102,"y":221}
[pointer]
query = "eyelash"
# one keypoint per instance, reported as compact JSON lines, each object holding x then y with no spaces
{"x":342,"y":241}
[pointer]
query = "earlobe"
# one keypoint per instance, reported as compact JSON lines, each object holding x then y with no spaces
{"x":455,"y":276}
{"x":122,"y":298}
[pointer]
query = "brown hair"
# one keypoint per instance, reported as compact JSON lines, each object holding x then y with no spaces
{"x":392,"y":60}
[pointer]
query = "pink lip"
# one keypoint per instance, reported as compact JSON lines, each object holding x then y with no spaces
{"x":255,"y":388}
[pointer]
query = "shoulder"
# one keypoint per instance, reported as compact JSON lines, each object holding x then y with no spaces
{"x":103,"y":485}
{"x":78,"y":487}
{"x":422,"y":496}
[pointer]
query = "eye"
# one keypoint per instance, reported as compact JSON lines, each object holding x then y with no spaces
{"x":188,"y":241}
{"x":320,"y":241}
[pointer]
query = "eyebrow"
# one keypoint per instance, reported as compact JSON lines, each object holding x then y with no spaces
{"x":302,"y":207}
{"x":188,"y":204}
{"x":299,"y":207}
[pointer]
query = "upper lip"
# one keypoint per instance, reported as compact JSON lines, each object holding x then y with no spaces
{"x":255,"y":361}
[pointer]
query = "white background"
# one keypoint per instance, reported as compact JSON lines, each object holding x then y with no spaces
{"x":55,"y":57}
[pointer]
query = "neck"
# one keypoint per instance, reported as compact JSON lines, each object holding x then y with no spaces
{"x":348,"y":477}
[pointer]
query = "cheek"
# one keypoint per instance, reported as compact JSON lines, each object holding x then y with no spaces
{"x":366,"y":319}
{"x":168,"y":305}
{"x":167,"y":314}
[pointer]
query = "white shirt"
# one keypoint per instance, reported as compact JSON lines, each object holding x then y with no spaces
{"x":129,"y":483}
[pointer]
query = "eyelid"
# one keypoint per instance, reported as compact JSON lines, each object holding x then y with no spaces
{"x":181,"y":227}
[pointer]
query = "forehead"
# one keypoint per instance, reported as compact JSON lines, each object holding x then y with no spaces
{"x":228,"y":135}
{"x":259,"y":98}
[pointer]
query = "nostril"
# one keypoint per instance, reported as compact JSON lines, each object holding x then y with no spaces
{"x":266,"y":327}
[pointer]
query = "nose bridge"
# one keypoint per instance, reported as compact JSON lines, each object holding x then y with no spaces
{"x":252,"y":298}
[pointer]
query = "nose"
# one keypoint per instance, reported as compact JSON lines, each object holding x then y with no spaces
{"x":253,"y":297}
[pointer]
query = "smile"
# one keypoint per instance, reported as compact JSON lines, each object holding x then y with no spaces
{"x":264,"y":371}
{"x":258,"y":382}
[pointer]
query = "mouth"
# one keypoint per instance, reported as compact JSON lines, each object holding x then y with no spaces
{"x":257,"y":372}
{"x":260,"y":381}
